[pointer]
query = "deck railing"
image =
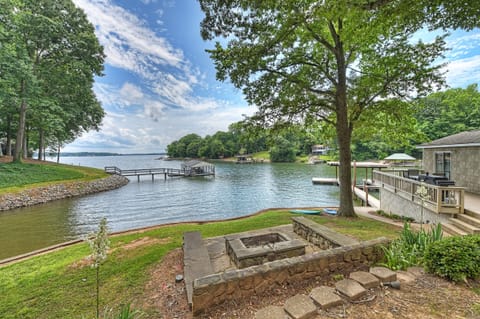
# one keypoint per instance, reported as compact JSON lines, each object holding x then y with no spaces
{"x":439,"y":199}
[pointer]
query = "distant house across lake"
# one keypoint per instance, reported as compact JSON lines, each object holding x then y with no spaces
{"x":320,"y":149}
{"x":457,"y":157}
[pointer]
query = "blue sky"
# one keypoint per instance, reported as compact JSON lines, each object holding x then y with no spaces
{"x":159,"y":82}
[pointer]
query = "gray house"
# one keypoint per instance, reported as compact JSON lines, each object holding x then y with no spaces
{"x":457,"y":157}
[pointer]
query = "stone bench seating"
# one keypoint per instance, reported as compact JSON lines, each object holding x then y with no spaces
{"x":320,"y":235}
{"x":196,"y":261}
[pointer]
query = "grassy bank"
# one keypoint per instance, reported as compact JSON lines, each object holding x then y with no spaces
{"x":16,"y":176}
{"x":61,"y":284}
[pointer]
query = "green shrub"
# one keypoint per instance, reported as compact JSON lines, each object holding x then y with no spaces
{"x":456,"y":258}
{"x":409,"y":249}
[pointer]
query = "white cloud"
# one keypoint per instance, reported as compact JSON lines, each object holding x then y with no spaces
{"x":126,"y":37}
{"x":463,"y":72}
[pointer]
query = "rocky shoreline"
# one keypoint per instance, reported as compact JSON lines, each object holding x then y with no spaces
{"x":44,"y":194}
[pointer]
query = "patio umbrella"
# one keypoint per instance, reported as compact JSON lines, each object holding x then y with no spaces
{"x":399,"y":157}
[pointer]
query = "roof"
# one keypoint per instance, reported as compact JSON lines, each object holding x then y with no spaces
{"x":463,"y":139}
{"x":362,"y":164}
{"x":196,"y":163}
{"x":399,"y":157}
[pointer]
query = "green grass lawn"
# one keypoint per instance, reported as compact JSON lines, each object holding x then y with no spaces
{"x":15,"y":176}
{"x":55,"y":286}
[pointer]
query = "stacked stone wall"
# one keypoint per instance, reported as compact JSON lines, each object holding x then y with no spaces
{"x":257,"y":280}
{"x":44,"y":194}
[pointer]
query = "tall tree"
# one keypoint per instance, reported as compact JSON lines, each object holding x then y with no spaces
{"x":449,"y":112}
{"x":331,"y":60}
{"x":58,"y":55}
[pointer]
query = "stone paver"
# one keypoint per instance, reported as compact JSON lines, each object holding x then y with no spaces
{"x":271,"y":312}
{"x":325,"y":297}
{"x":300,"y":307}
{"x":384,"y":274}
{"x":351,"y":289}
{"x":367,"y":280}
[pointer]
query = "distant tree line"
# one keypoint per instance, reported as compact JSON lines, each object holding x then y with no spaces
{"x":437,"y":115}
{"x":49,"y":55}
{"x":283,"y":144}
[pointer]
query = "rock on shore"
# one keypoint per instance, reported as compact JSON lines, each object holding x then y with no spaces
{"x":43,"y":194}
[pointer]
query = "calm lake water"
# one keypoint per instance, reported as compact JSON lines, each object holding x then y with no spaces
{"x":236,"y":190}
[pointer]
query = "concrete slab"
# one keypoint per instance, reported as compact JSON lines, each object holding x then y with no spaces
{"x":300,"y":307}
{"x":367,"y":280}
{"x":351,"y":289}
{"x":271,"y":312}
{"x":384,"y":274}
{"x":325,"y":297}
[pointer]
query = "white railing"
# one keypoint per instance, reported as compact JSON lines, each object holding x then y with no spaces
{"x":440,"y":199}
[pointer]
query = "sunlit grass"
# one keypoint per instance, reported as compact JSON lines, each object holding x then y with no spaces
{"x":15,"y":176}
{"x":59,"y":285}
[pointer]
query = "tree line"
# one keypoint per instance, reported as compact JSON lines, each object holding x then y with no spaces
{"x":283,"y":144}
{"x":49,"y":56}
{"x":435,"y":116}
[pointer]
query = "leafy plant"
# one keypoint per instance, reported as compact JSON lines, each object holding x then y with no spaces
{"x":409,"y":249}
{"x":456,"y":258}
{"x":126,"y":312}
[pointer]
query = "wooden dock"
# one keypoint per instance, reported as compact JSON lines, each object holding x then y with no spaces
{"x":367,"y":199}
{"x":325,"y":181}
{"x":166,"y":172}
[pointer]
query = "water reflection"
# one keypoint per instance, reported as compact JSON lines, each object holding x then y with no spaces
{"x":236,"y":190}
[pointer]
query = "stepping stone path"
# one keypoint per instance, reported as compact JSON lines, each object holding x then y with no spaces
{"x":300,"y":307}
{"x":325,"y":297}
{"x":367,"y":280}
{"x":304,"y":307}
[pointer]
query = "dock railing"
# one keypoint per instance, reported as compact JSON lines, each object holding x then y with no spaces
{"x":439,"y":199}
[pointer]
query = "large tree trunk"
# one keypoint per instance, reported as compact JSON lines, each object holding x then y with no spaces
{"x":8,"y":148}
{"x":41,"y":147}
{"x":18,"y":155}
{"x":344,"y":131}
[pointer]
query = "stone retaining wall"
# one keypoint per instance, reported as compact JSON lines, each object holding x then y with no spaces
{"x":236,"y":284}
{"x":43,"y":194}
{"x":319,"y":235}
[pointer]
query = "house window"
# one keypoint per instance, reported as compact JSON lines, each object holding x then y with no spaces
{"x":442,"y":163}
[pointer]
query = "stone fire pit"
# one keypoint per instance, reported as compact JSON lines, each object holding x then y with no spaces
{"x":255,"y":249}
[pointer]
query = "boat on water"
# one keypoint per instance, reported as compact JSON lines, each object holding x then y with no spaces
{"x":305,"y":211}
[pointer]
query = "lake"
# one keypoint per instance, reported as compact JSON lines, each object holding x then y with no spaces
{"x":236,"y":190}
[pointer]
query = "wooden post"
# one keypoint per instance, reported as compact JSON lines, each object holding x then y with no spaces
{"x":153,"y":177}
{"x":365,"y":187}
{"x":138,"y":178}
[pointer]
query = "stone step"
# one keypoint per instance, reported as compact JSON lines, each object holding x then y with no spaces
{"x":464,"y":226}
{"x":325,"y":297}
{"x":453,"y":230}
{"x":300,"y":307}
{"x":271,"y":312}
{"x":383,"y":274}
{"x":367,"y":280}
{"x":351,"y":289}
{"x":469,"y":220}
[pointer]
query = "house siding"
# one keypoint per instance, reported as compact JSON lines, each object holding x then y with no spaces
{"x":464,"y":165}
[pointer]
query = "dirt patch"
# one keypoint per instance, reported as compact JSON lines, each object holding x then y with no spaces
{"x":422,"y":296}
{"x":162,"y":294}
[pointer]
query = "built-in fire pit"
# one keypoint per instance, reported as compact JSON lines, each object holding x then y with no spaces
{"x":246,"y":251}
